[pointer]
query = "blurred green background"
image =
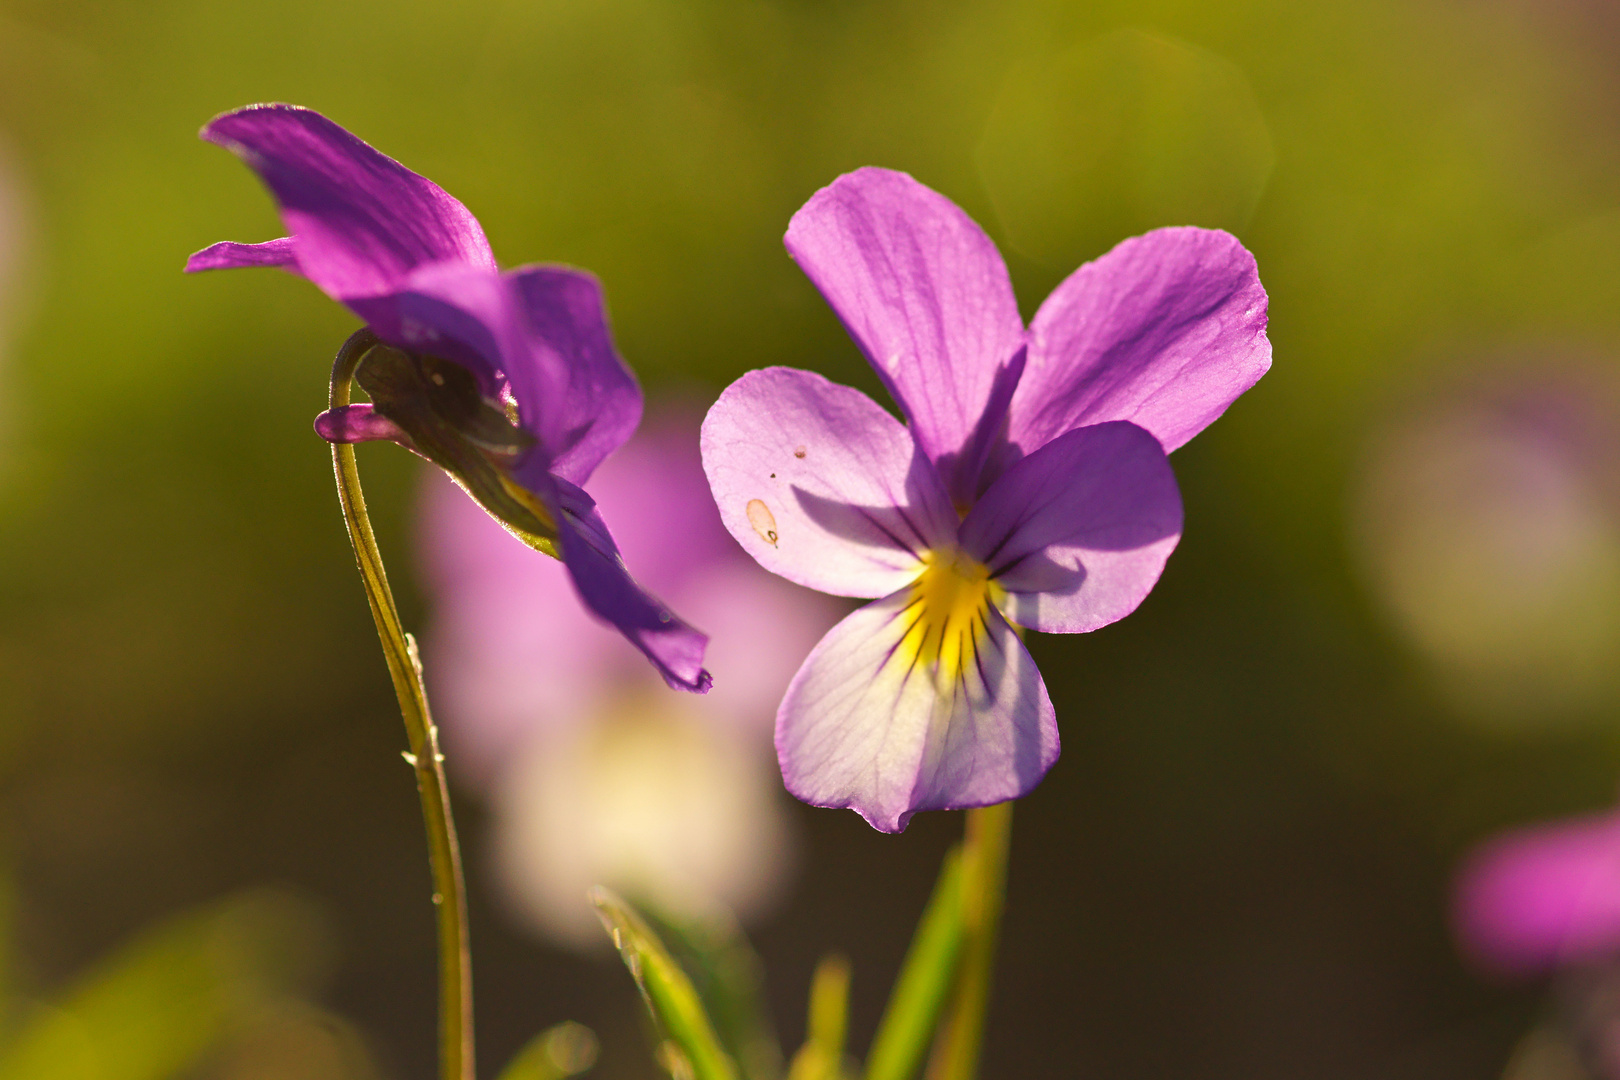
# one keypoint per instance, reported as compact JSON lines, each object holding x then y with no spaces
{"x":1239,"y":867}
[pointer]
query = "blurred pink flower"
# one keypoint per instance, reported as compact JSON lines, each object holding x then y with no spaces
{"x":1542,"y":897}
{"x":596,"y":774}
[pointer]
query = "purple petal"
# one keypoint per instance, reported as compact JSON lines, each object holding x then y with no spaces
{"x":229,"y":255}
{"x":1543,"y":896}
{"x":468,"y":315}
{"x":1079,"y":531}
{"x":357,"y":424}
{"x":1165,"y":331}
{"x":865,"y":725}
{"x":600,"y":405}
{"x":541,"y":330}
{"x":361,"y":220}
{"x":821,"y":485}
{"x":925,"y":295}
{"x":605,"y":586}
{"x":477,"y":319}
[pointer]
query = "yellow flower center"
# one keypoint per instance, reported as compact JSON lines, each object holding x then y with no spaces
{"x":949,"y":612}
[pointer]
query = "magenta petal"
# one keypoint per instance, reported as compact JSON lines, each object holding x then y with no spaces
{"x":229,"y":255}
{"x":1165,"y":331}
{"x":867,"y":727}
{"x":925,"y":295}
{"x":357,"y":424}
{"x":820,"y":485}
{"x":361,"y":220}
{"x":1543,"y":896}
{"x":600,"y":405}
{"x":605,"y":587}
{"x":1079,"y":531}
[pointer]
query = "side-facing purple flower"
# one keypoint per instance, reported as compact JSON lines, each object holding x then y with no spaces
{"x":1542,"y":897}
{"x":1029,"y":485}
{"x":509,"y":381}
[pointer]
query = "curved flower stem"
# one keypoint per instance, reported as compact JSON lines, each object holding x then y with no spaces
{"x":405,"y":667}
{"x":984,"y":887}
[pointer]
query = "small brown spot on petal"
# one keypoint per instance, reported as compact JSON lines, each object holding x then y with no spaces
{"x":798,"y":451}
{"x":763,"y":521}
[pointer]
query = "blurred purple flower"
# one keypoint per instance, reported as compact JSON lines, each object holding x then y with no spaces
{"x":1030,"y":483}
{"x":1542,"y":897}
{"x":595,"y":776}
{"x":508,"y":380}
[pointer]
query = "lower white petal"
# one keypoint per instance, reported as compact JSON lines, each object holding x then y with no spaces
{"x":902,"y":708}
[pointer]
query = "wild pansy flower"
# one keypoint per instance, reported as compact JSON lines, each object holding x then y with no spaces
{"x":1029,"y":485}
{"x":594,"y":775}
{"x":508,"y":381}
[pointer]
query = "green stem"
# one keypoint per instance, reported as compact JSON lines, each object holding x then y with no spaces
{"x":405,"y":668}
{"x":984,"y":888}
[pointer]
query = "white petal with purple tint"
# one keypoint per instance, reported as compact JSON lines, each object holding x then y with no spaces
{"x":874,"y":724}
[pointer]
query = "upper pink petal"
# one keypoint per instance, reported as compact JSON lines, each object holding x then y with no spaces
{"x":925,"y":294}
{"x":360,"y":219}
{"x":820,"y":485}
{"x":1165,"y":331}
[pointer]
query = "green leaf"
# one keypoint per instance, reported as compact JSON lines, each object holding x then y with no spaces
{"x":730,"y":980}
{"x":153,"y":1008}
{"x":691,"y":1048}
{"x":925,"y":980}
{"x":822,"y":1056}
{"x":556,"y":1053}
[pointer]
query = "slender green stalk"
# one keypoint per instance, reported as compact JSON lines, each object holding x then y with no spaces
{"x":405,"y":668}
{"x":984,"y":888}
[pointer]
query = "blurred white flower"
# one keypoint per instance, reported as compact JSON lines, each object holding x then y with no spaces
{"x":1488,"y":520}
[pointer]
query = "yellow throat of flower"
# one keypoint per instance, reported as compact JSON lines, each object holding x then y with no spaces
{"x":950,"y":612}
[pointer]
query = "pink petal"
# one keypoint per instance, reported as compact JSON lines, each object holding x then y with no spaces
{"x":1539,"y":897}
{"x":1165,"y":331}
{"x":925,"y":295}
{"x":1079,"y":531}
{"x":820,"y":485}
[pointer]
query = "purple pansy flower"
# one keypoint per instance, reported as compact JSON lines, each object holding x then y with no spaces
{"x":1542,"y":897}
{"x":510,"y":381}
{"x":1029,"y":485}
